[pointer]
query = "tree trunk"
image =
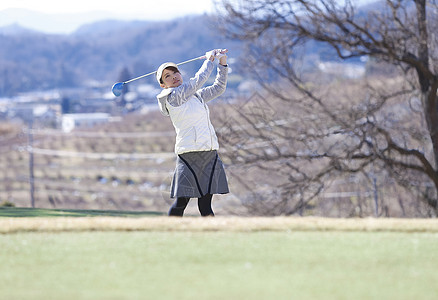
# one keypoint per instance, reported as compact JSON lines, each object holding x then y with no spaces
{"x":431,"y":113}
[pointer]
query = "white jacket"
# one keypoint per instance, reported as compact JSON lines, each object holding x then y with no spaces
{"x":187,"y":108}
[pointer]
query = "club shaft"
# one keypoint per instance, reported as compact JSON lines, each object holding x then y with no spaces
{"x":181,"y":63}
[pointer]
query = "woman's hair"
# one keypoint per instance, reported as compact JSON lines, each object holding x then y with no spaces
{"x":169,"y":68}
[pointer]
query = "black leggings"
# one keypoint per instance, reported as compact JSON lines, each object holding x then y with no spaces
{"x":180,"y":204}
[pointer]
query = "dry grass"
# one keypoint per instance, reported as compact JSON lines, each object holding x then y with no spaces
{"x":197,"y":224}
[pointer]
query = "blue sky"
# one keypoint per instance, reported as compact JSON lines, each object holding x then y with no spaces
{"x":65,"y":16}
{"x":136,"y":7}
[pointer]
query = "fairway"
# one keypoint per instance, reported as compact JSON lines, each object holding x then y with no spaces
{"x":217,"y":258}
{"x":219,"y":265}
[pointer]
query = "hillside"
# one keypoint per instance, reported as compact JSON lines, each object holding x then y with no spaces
{"x":31,"y":60}
{"x":99,"y":51}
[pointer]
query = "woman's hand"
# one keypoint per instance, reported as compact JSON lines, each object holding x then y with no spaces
{"x":210,"y":55}
{"x":219,"y":54}
{"x":223,"y":60}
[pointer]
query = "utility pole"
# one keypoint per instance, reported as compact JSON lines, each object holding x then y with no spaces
{"x":31,"y":174}
{"x":376,"y":197}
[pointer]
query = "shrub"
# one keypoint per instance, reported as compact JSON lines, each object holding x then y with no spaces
{"x":7,"y":204}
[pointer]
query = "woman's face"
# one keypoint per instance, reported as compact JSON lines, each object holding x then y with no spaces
{"x":171,"y":78}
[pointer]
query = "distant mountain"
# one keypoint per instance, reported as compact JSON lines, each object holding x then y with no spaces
{"x":100,"y":51}
{"x":106,"y":27}
{"x":16,"y":29}
{"x":64,"y":23}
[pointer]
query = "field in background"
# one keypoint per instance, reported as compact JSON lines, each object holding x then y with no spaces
{"x":137,"y":257}
{"x":126,"y":164}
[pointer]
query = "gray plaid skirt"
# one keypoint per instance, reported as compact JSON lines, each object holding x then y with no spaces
{"x":197,"y":174}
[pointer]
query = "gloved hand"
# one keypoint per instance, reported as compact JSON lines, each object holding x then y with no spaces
{"x":220,"y":53}
{"x":210,"y":55}
{"x":215,"y":53}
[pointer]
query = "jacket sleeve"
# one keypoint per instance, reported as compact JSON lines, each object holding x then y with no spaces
{"x":181,"y":94}
{"x":218,"y":87}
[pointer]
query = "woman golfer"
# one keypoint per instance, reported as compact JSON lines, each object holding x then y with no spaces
{"x":199,"y":171}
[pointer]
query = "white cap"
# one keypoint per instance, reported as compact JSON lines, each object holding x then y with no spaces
{"x":164,"y":66}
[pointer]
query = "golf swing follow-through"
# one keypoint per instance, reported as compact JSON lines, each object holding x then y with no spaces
{"x":199,"y":171}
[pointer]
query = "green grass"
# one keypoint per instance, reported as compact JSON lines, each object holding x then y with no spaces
{"x":48,"y":254}
{"x":219,"y":265}
{"x":20,"y":212}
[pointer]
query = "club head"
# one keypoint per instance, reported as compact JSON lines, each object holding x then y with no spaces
{"x":117,"y":88}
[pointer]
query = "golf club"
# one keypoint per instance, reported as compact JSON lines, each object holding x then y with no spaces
{"x":118,"y":87}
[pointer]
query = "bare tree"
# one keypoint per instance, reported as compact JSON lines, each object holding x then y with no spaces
{"x":312,"y":130}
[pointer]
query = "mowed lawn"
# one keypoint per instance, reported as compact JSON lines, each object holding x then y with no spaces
{"x":228,"y":258}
